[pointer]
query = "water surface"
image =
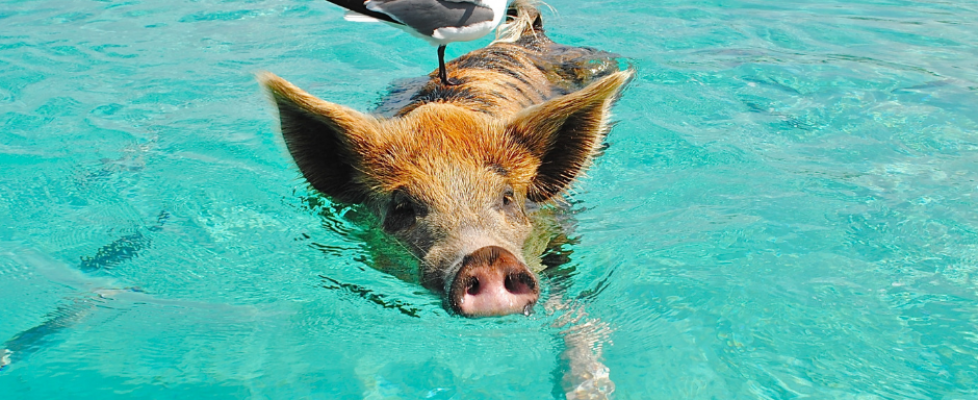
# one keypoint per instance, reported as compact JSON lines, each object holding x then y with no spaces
{"x":786,"y":209}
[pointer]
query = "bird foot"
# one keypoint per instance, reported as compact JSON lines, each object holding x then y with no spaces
{"x":450,"y":81}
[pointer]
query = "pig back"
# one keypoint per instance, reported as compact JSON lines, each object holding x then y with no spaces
{"x":505,"y":77}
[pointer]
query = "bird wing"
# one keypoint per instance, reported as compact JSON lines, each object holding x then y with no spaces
{"x":359,"y":7}
{"x":425,"y":16}
{"x":484,"y":3}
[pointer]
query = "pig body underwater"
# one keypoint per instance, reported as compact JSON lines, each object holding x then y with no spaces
{"x":458,"y":172}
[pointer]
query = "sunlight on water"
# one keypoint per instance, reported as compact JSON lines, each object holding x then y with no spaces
{"x":786,"y":209}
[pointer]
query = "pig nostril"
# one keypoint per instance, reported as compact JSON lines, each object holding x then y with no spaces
{"x":519,"y":283}
{"x":472,"y":286}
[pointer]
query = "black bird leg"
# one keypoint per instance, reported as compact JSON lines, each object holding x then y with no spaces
{"x":442,"y":72}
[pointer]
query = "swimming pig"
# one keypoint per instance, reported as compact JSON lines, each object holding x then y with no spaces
{"x":457,"y":173}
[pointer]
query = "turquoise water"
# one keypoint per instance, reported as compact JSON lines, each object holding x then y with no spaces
{"x":787,"y":209}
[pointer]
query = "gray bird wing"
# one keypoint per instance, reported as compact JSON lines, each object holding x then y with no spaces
{"x":425,"y":16}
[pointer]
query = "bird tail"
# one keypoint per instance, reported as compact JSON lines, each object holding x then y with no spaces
{"x":523,"y":18}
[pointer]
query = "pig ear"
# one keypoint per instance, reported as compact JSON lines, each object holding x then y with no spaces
{"x":565,"y":132}
{"x":325,"y":139}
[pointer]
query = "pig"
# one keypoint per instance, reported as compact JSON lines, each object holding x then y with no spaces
{"x":459,"y":173}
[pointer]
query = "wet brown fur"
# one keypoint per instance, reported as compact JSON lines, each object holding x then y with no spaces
{"x":523,"y":122}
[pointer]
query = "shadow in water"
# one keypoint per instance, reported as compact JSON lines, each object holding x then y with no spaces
{"x":21,"y":345}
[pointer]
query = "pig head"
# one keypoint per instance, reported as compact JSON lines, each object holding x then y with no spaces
{"x":456,"y":186}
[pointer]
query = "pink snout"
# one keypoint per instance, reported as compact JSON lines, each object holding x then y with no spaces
{"x":492,"y":281}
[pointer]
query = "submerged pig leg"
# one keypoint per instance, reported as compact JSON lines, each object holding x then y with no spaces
{"x":585,"y":376}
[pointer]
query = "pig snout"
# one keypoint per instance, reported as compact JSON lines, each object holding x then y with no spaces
{"x":492,"y":281}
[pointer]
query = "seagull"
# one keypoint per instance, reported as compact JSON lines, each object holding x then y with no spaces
{"x":440,"y":22}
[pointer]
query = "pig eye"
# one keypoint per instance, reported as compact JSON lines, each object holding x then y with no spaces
{"x":508,"y":198}
{"x":402,"y":213}
{"x":508,"y":201}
